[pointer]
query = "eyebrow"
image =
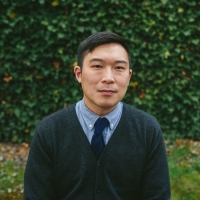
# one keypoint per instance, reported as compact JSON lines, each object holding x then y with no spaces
{"x":101,"y":60}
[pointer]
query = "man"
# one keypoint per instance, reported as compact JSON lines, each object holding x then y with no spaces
{"x":99,"y":148}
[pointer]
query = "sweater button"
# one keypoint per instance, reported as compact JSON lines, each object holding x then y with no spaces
{"x":98,"y":191}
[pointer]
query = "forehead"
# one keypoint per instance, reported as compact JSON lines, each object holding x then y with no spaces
{"x":108,"y":51}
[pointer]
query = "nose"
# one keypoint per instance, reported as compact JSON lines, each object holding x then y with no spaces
{"x":108,"y":76}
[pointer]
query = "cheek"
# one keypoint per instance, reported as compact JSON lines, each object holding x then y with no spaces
{"x":90,"y":82}
{"x":91,"y":79}
{"x":89,"y":85}
{"x":124,"y":82}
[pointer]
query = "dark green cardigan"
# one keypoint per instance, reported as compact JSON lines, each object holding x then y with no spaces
{"x":61,"y":164}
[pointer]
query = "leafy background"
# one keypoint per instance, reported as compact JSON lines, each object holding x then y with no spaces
{"x":38,"y":50}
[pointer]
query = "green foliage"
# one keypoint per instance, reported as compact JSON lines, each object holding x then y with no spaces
{"x":11,"y":180}
{"x":38,"y":50}
{"x":184,"y":165}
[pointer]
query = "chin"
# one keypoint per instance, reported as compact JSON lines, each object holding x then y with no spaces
{"x":108,"y":104}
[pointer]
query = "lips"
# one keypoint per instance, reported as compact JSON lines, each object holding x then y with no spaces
{"x":107,"y":92}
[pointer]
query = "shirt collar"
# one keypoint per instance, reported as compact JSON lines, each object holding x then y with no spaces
{"x":90,"y":117}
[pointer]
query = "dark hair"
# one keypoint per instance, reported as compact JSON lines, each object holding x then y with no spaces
{"x":97,"y":39}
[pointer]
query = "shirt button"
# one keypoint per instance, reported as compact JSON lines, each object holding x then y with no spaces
{"x":98,"y":191}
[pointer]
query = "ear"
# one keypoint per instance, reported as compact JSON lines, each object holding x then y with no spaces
{"x":77,"y":71}
{"x":130,"y":73}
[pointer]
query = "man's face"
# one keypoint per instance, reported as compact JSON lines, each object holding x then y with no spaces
{"x":104,"y":77}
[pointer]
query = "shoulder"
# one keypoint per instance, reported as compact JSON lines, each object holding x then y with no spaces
{"x":58,"y":118}
{"x":137,"y":114}
{"x":140,"y":120}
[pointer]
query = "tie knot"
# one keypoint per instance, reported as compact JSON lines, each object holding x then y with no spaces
{"x":100,"y":125}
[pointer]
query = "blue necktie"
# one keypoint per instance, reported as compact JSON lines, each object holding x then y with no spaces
{"x":97,"y":143}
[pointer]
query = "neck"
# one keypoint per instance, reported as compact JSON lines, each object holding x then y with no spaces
{"x":100,"y":111}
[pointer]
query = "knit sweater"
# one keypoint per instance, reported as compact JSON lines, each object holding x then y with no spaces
{"x":62,"y":166}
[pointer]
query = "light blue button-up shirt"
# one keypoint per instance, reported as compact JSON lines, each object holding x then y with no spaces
{"x":87,"y":120}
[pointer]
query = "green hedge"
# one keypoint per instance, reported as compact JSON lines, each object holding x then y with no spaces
{"x":38,"y":50}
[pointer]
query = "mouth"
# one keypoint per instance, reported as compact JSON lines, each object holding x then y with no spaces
{"x":107,"y":92}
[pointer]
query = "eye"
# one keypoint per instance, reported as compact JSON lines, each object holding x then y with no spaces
{"x":119,"y":68}
{"x":97,"y":66}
